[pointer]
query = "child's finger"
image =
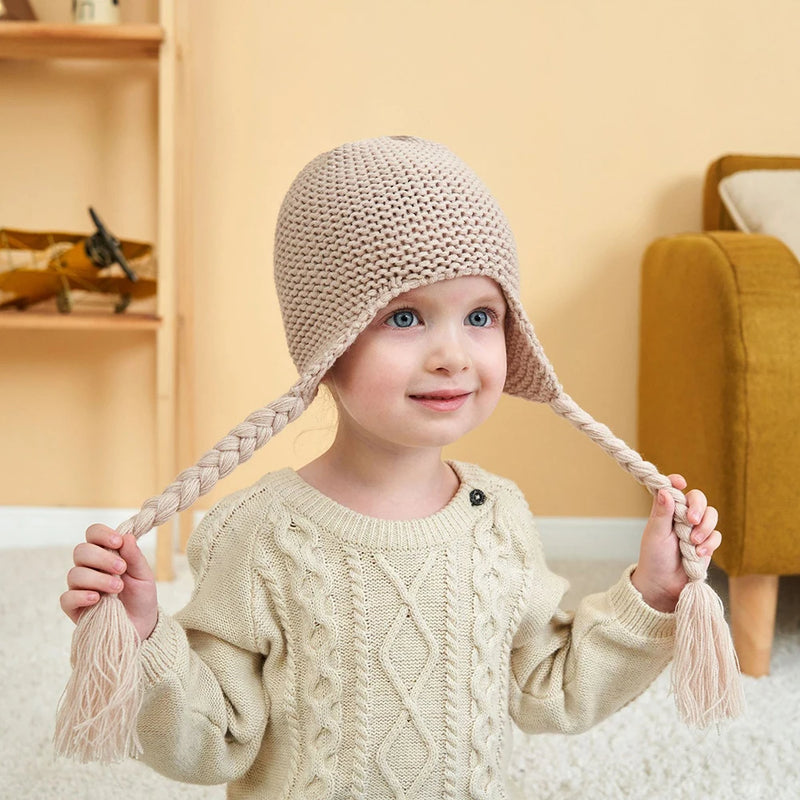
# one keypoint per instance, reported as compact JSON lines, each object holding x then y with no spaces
{"x":697,"y":504}
{"x":97,"y":557}
{"x":710,"y":544}
{"x":104,"y":536}
{"x":678,"y":481}
{"x":661,"y":513}
{"x":663,"y":504}
{"x":706,"y":527}
{"x":93,"y":580}
{"x":75,"y":600}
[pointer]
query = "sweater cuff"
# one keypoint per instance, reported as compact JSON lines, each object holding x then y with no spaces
{"x":635,"y":614}
{"x":158,"y":652}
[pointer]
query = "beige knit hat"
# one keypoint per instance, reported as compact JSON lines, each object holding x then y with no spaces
{"x":361,"y":224}
{"x":376,"y":218}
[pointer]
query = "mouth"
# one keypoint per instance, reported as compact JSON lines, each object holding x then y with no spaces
{"x":443,"y":400}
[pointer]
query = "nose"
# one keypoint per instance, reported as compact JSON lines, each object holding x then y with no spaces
{"x":448,"y":352}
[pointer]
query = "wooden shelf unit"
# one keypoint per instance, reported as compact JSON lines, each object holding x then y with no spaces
{"x":41,"y":41}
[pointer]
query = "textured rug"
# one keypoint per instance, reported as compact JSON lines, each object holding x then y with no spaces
{"x":641,"y":752}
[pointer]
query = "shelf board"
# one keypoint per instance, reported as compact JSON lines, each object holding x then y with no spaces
{"x":39,"y":41}
{"x":11,"y":319}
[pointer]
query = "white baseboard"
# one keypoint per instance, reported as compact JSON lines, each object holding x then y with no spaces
{"x":592,"y":538}
{"x":34,"y":526}
{"x":564,"y":538}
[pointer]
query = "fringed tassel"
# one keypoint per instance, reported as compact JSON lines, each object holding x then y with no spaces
{"x":96,"y":718}
{"x":705,"y":669}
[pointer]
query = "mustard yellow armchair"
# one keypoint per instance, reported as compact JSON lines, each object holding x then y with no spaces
{"x":719,"y":395}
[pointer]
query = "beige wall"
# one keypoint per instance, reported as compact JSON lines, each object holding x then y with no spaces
{"x":592,"y":123}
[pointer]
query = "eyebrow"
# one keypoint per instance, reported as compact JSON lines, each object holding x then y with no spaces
{"x":492,"y":298}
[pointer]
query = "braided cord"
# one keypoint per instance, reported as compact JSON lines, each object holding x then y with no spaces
{"x":644,"y":472}
{"x":234,"y":449}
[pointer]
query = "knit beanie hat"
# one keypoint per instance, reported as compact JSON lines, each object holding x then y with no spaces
{"x":373,"y":219}
{"x":360,"y":225}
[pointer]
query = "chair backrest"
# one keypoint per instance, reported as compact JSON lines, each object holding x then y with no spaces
{"x":715,"y":216}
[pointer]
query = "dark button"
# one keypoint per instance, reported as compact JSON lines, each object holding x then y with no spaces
{"x":477,"y":497}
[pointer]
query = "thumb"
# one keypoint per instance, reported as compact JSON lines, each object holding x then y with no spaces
{"x":137,"y":565}
{"x":662,"y":512}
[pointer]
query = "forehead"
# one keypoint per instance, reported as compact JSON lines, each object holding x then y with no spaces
{"x":469,"y":289}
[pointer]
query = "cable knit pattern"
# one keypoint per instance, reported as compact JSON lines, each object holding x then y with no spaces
{"x":281,"y":521}
{"x":361,"y":652}
{"x":491,"y":594}
{"x":451,"y":675}
{"x":311,"y":583}
{"x":332,"y":655}
{"x":408,"y":615}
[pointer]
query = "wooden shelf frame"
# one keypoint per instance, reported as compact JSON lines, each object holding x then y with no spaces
{"x":166,"y":467}
{"x":76,"y":321}
{"x":37,"y":41}
{"x":43,"y":41}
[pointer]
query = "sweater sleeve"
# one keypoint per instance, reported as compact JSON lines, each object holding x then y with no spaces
{"x":205,"y":708}
{"x":570,"y":671}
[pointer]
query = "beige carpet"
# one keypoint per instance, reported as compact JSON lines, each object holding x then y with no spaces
{"x":642,"y":752}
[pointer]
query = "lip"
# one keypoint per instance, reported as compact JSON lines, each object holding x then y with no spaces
{"x":442,"y":400}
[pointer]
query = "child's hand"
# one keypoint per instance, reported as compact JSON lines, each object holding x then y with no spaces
{"x":659,"y":575}
{"x":107,"y":562}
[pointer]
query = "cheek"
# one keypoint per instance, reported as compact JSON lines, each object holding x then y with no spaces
{"x":363,"y":373}
{"x":495,"y":365}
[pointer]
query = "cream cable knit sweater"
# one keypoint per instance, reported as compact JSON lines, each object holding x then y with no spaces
{"x":325,"y":654}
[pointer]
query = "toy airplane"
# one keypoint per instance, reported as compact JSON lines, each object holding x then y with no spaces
{"x":38,"y":266}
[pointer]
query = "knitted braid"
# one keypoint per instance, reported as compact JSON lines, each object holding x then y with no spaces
{"x":96,"y":717}
{"x":236,"y":448}
{"x":705,"y":670}
{"x":644,"y":472}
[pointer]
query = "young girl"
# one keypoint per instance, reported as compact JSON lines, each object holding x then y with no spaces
{"x":369,"y":625}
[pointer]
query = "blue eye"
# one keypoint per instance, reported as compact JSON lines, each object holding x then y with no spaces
{"x":405,"y":318}
{"x":479,"y":318}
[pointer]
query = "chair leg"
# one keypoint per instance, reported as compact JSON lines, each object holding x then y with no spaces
{"x":754,"y":600}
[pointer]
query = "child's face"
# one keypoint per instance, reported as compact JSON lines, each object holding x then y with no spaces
{"x":429,"y":368}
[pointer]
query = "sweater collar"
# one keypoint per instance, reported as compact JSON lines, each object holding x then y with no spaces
{"x":454,"y":519}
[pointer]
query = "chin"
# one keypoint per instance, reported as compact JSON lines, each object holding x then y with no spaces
{"x":443,"y":438}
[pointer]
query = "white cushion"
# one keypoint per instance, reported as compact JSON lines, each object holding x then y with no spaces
{"x":765,"y":201}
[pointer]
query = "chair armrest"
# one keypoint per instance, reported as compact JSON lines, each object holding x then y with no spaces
{"x":719,"y":386}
